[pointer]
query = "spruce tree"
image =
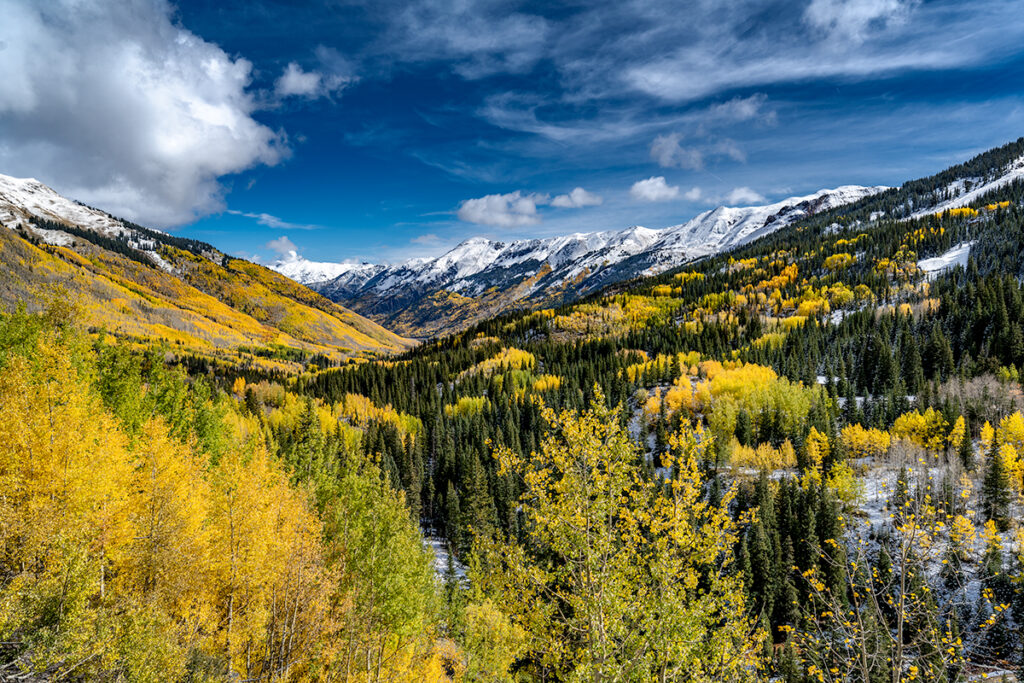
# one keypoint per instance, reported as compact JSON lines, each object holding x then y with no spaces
{"x":995,"y":491}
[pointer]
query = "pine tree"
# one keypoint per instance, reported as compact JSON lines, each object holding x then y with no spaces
{"x":995,"y":490}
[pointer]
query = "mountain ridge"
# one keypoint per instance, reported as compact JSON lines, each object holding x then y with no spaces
{"x":143,"y":284}
{"x":496,"y":275}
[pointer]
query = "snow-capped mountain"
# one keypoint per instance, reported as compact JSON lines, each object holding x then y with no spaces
{"x":21,"y":199}
{"x":305,"y":271}
{"x":525,"y":269}
{"x":38,"y":210}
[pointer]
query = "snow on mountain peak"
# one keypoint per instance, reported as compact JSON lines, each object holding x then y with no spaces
{"x":24,"y":198}
{"x":478,"y":263}
{"x":295,"y":266}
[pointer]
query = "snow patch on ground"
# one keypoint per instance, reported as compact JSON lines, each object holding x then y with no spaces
{"x":957,"y":256}
{"x":440,"y":549}
{"x":54,"y":237}
{"x":20,"y":197}
{"x":1012,"y":172}
{"x":160,"y":262}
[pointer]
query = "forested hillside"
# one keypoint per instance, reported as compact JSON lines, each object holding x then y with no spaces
{"x":147,"y":286}
{"x":802,"y":460}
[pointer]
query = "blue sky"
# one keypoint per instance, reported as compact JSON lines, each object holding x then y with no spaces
{"x":386,"y":130}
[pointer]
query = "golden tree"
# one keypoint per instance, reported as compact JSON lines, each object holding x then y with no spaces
{"x":622,"y":577}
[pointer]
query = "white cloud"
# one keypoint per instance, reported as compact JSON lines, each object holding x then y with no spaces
{"x":669,"y":153}
{"x":334,"y":74}
{"x":855,"y":19}
{"x":116,"y":105}
{"x":577,"y":199}
{"x":295,"y":81}
{"x":744,"y":109}
{"x":653,"y":189}
{"x":429,"y":238}
{"x":744,"y":196}
{"x":273,"y":221}
{"x":482,"y":38}
{"x":694,"y":194}
{"x":510,"y":210}
{"x":283,"y":246}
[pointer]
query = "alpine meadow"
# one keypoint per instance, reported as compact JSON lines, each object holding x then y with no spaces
{"x":332,"y":348}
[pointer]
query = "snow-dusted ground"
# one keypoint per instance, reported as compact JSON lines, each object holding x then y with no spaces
{"x":54,"y":237}
{"x":963,"y":197}
{"x":957,"y":256}
{"x":23,"y":197}
{"x":440,"y":550}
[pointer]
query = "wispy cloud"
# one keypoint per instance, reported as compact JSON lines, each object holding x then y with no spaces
{"x":273,"y":221}
{"x":427,"y":239}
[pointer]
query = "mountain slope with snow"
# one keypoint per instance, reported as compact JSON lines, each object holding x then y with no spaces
{"x":147,"y":284}
{"x":501,"y":275}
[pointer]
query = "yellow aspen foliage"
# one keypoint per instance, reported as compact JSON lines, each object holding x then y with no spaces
{"x":1011,"y":431}
{"x":467,"y":406}
{"x":547,"y":383}
{"x":988,"y":437}
{"x":958,"y":433}
{"x":847,"y":486}
{"x":816,"y":448}
{"x":63,"y":462}
{"x":764,"y":457}
{"x":927,"y":430}
{"x":864,"y":443}
{"x":990,"y":536}
{"x":1014,"y":466}
{"x":167,"y":558}
{"x":863,"y":293}
{"x":492,"y":642}
{"x":688,"y":276}
{"x":641,"y":580}
{"x":962,"y":532}
{"x":839,"y":261}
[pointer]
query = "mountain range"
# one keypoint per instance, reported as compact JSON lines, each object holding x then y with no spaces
{"x":143,"y":283}
{"x":481,"y":277}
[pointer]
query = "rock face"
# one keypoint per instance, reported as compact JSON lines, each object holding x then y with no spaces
{"x":482,"y":277}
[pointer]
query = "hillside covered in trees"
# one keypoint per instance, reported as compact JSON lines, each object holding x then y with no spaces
{"x":801,"y":460}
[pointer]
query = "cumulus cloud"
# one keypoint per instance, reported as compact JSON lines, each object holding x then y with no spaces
{"x":653,"y":189}
{"x":115,"y":105}
{"x":694,"y":194}
{"x":295,"y":81}
{"x":512,"y":210}
{"x":283,"y":246}
{"x":333,"y":74}
{"x":577,"y":199}
{"x":744,"y":196}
